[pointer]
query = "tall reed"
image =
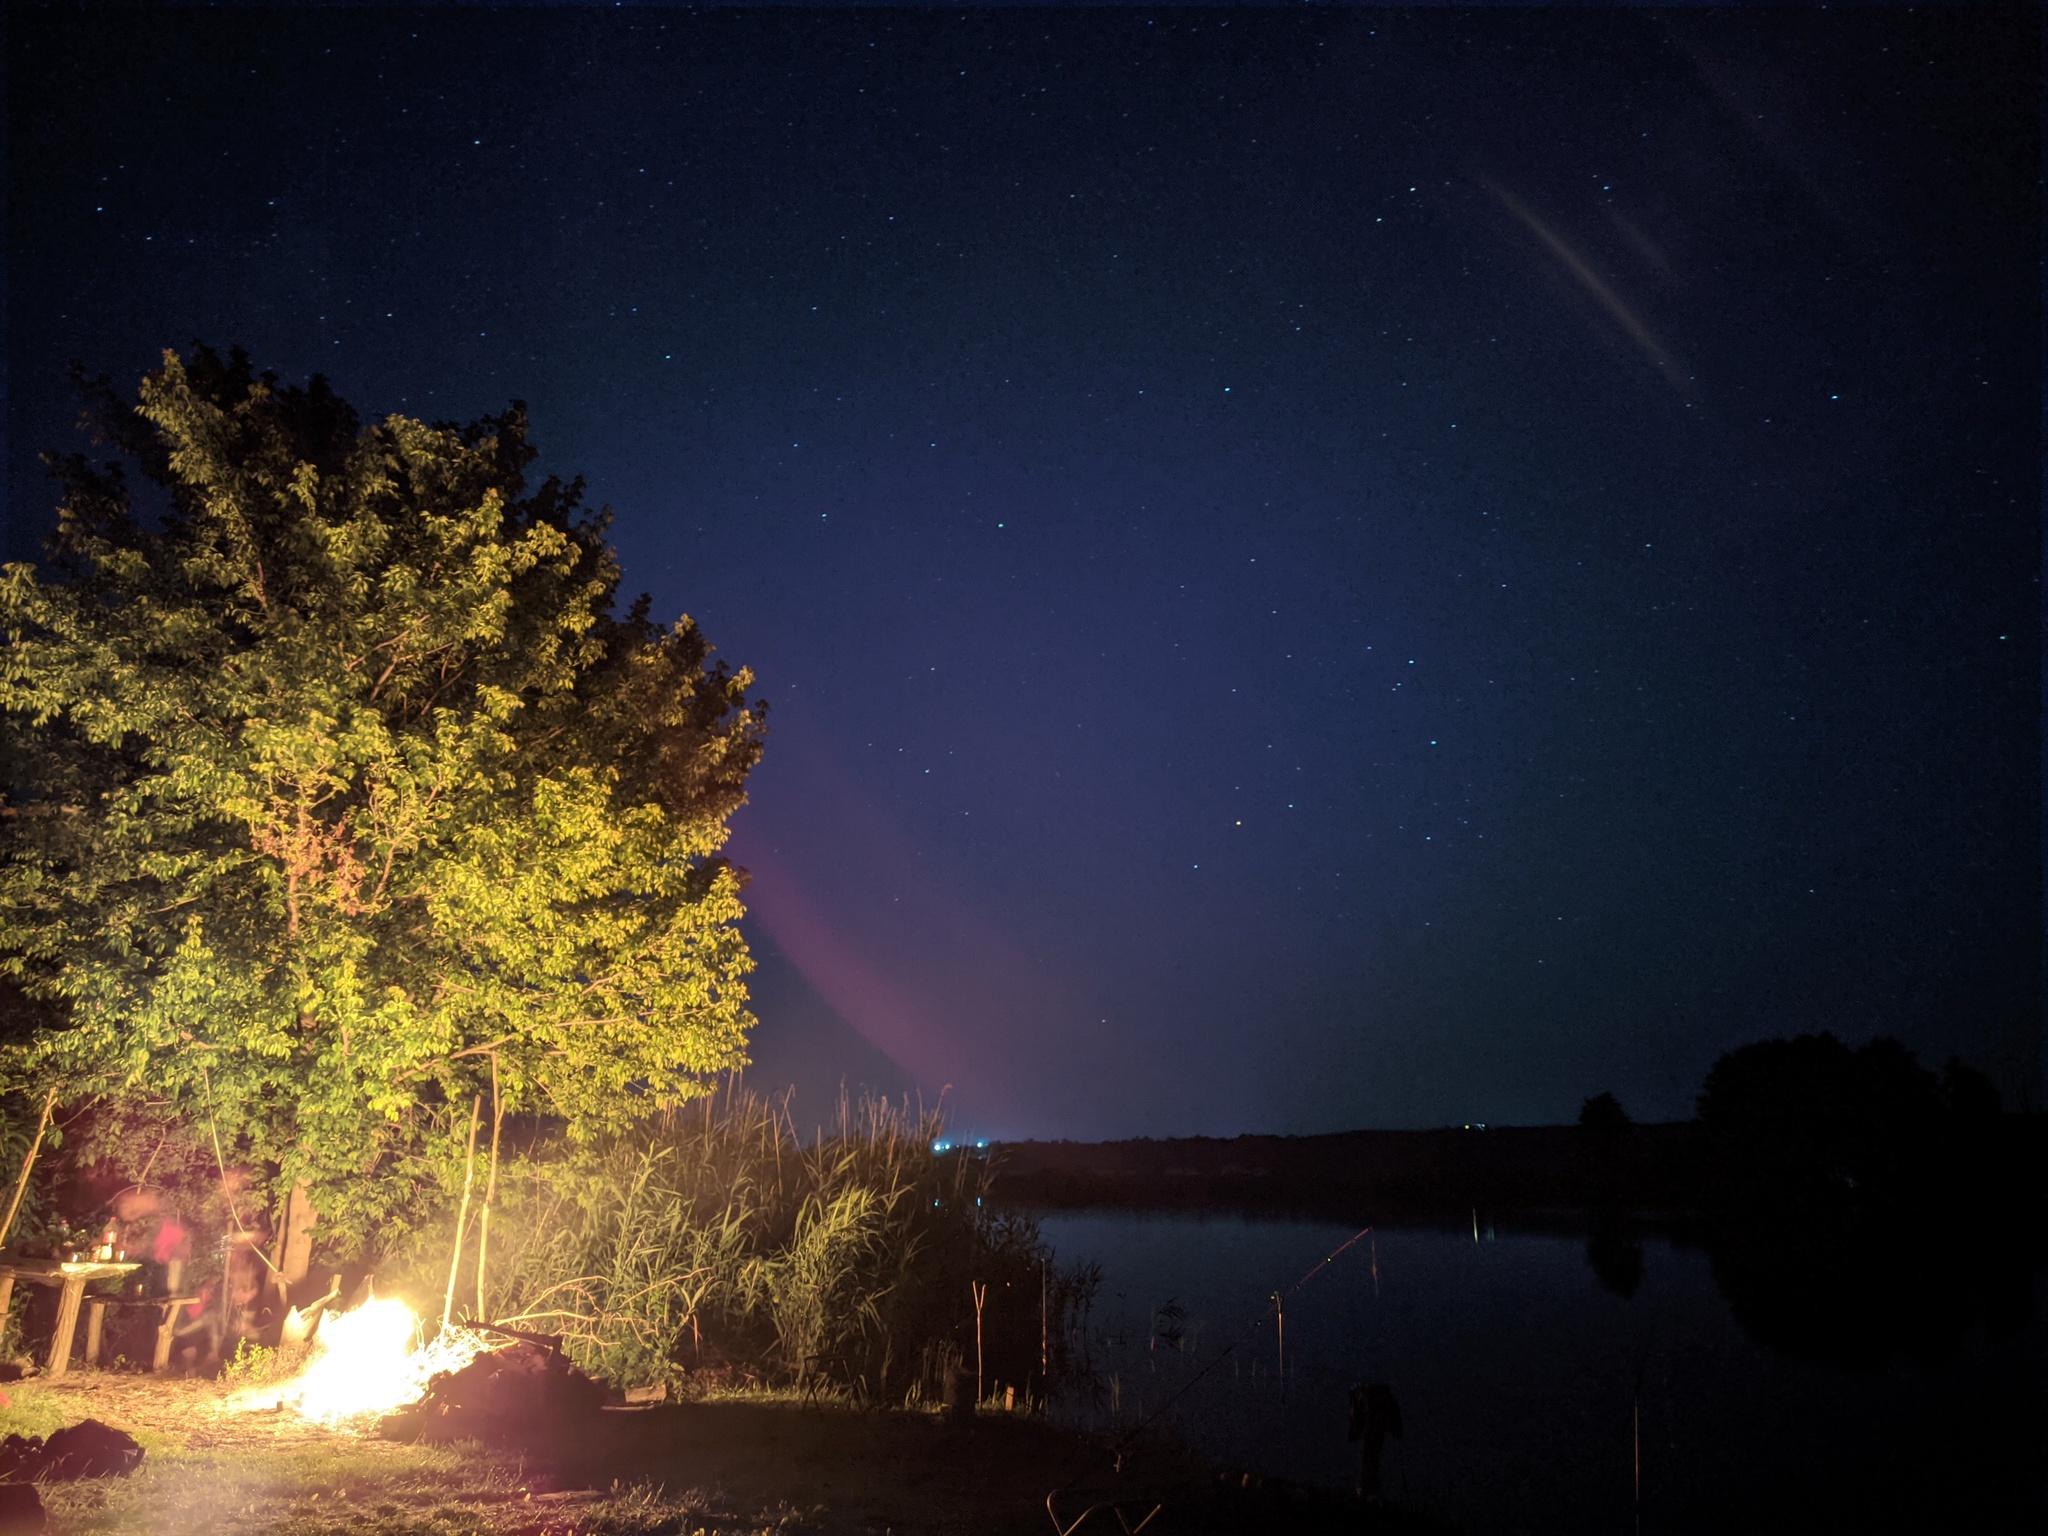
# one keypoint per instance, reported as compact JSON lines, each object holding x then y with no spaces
{"x":716,"y":1245}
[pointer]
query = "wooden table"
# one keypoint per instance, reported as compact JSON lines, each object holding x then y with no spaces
{"x":73,"y":1277}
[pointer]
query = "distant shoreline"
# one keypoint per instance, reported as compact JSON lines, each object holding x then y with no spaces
{"x":1650,"y":1171}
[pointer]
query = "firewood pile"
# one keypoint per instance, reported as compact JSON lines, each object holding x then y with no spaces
{"x":526,"y":1389}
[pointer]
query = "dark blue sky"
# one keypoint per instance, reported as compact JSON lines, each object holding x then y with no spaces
{"x":1313,"y":568}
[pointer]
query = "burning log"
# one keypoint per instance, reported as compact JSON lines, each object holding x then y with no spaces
{"x":464,"y":1383}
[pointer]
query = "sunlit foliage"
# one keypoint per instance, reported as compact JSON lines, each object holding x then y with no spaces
{"x":334,"y":777}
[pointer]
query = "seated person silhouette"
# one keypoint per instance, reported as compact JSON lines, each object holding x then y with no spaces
{"x":1374,"y":1416}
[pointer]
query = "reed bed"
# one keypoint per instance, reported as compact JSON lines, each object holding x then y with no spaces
{"x":717,"y":1248}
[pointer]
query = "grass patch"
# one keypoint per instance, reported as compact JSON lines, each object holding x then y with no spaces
{"x":367,"y":1487}
{"x":746,"y":1464}
{"x":31,"y":1410}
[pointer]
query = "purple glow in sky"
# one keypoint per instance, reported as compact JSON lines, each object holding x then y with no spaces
{"x":1313,"y":568}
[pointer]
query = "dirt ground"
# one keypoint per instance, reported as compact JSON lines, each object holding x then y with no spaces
{"x":724,"y":1468}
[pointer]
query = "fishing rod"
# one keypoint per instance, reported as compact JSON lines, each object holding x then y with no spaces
{"x":1115,"y":1451}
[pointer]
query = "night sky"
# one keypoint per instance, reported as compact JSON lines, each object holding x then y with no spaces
{"x":1313,"y":568}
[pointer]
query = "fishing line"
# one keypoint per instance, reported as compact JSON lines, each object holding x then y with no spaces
{"x":1123,"y":1442}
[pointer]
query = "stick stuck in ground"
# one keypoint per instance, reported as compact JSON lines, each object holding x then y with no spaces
{"x":476,"y":1112}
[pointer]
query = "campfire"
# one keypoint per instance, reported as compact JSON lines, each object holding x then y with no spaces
{"x":366,"y":1363}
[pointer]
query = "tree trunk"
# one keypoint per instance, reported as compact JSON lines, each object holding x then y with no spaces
{"x":292,"y":1252}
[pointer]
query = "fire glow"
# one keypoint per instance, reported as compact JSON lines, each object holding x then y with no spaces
{"x":369,"y":1361}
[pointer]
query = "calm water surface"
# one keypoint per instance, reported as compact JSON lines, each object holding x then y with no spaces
{"x":1521,"y":1379}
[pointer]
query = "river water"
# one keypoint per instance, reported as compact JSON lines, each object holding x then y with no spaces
{"x":1532,"y":1391}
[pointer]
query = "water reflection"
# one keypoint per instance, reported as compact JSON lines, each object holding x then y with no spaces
{"x":1614,"y":1252}
{"x":1531,"y":1371}
{"x":1816,"y":1308}
{"x":1860,"y":1206}
{"x":1828,"y":1281}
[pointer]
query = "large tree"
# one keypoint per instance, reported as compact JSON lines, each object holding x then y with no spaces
{"x":335,"y":784}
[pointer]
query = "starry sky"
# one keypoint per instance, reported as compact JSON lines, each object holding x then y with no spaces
{"x":1313,"y":568}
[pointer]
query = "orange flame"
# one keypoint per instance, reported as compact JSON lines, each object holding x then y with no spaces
{"x":366,"y":1362}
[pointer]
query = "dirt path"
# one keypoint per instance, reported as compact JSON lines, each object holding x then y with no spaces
{"x":182,"y":1412}
{"x":744,"y":1467}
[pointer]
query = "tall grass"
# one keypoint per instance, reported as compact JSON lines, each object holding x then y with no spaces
{"x":716,"y":1245}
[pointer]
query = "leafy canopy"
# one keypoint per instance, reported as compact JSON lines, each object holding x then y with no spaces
{"x":337,"y":782}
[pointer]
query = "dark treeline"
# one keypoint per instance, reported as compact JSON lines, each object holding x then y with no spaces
{"x":1782,"y":1117}
{"x":1385,"y":1174}
{"x":1665,"y":1170}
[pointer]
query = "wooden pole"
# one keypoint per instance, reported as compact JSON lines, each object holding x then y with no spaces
{"x":1044,"y":1328}
{"x":27,"y":1165}
{"x":1280,"y":1334}
{"x":483,"y":1229}
{"x":476,"y":1112}
{"x":980,"y":1296}
{"x":1635,"y":1428}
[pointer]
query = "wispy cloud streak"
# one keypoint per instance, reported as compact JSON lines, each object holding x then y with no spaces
{"x":1659,"y":355}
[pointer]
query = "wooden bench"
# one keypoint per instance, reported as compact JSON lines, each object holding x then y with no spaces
{"x":166,"y":1324}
